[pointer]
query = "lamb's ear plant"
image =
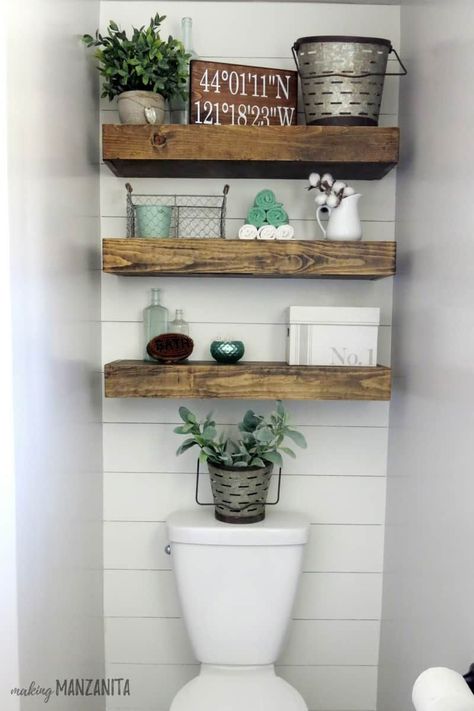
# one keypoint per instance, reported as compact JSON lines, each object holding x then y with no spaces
{"x":142,"y":62}
{"x":261,"y":439}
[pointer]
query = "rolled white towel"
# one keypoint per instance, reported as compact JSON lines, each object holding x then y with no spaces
{"x":248,"y":232}
{"x":267,"y":232}
{"x":284,"y":232}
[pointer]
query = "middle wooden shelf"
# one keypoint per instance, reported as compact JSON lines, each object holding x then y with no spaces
{"x":245,"y":380}
{"x":307,"y":259}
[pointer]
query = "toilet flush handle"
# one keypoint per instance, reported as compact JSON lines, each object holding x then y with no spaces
{"x":168,"y":549}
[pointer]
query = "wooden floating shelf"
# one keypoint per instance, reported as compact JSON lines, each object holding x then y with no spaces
{"x":245,"y":380}
{"x":196,"y":151}
{"x":241,"y":258}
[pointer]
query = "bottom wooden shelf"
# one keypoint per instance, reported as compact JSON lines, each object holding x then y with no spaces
{"x":246,"y":380}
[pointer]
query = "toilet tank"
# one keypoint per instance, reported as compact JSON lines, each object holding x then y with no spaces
{"x":237,"y":583}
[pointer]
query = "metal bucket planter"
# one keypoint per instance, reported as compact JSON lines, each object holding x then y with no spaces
{"x":240,"y":494}
{"x":342,"y":78}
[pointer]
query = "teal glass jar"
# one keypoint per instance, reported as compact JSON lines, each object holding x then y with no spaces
{"x":227,"y":351}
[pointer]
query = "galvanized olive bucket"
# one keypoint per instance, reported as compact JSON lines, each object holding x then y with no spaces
{"x":239,"y":493}
{"x":342,"y":78}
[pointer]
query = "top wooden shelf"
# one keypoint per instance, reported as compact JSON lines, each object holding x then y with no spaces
{"x":195,"y":151}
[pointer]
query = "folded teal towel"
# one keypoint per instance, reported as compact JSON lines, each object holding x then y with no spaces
{"x":265,"y":199}
{"x":277,"y":216}
{"x":256,"y":216}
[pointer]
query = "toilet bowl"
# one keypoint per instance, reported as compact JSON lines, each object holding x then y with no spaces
{"x":237,"y":585}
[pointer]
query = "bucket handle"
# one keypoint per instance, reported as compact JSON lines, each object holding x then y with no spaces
{"x":403,"y":73}
{"x":267,"y":503}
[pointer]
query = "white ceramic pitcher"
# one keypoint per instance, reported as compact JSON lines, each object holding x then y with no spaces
{"x":344,"y":222}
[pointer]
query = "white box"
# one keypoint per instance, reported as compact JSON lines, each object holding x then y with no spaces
{"x":332,"y":335}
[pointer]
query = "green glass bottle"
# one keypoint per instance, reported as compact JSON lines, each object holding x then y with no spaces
{"x":187,"y":28}
{"x":179,"y":325}
{"x":180,"y":106}
{"x":155,"y":319}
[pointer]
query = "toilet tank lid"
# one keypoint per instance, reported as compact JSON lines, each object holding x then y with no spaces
{"x":198,"y":526}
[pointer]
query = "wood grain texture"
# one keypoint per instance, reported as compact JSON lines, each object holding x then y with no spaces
{"x":360,"y":152}
{"x":230,"y":257}
{"x":245,"y":380}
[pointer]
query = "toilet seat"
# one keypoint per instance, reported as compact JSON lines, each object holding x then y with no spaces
{"x":236,"y":688}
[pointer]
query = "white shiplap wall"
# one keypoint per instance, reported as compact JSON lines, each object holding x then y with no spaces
{"x":332,"y":652}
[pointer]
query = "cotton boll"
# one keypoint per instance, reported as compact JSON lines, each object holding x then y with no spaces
{"x":314,"y":180}
{"x":320,"y":199}
{"x":348,"y":191}
{"x":328,"y":179}
{"x":332,"y":200}
{"x":338,"y":186}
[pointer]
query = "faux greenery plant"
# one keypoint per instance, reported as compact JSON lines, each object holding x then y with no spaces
{"x":260,"y":442}
{"x":142,"y":62}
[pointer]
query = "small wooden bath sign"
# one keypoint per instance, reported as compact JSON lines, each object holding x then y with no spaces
{"x":170,"y":347}
{"x":241,"y":95}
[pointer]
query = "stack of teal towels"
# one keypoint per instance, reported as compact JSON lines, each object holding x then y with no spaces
{"x":267,"y":211}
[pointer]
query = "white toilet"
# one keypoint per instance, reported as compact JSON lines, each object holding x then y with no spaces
{"x":237,"y":585}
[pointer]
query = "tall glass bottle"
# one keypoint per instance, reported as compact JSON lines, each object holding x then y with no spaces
{"x":180,"y":107}
{"x":179,"y":325}
{"x":155,"y":319}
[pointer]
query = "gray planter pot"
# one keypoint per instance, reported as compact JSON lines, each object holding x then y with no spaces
{"x":141,"y":107}
{"x":239,"y":493}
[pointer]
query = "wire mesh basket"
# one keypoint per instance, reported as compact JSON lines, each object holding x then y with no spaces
{"x":191,"y":215}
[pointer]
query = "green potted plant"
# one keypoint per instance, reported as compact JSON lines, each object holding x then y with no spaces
{"x":142,"y":70}
{"x":240,"y":469}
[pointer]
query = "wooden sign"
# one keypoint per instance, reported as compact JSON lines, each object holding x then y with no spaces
{"x":241,"y":95}
{"x":170,"y":347}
